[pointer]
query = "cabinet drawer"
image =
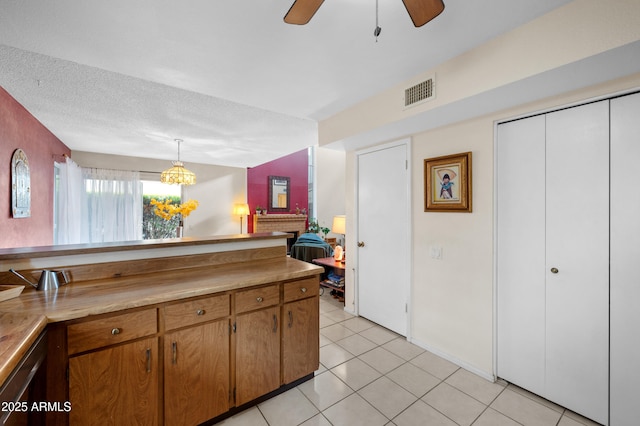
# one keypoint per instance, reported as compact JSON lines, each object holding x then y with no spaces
{"x":195,"y":311}
{"x":301,"y":289}
{"x":257,"y":298}
{"x":94,"y":334}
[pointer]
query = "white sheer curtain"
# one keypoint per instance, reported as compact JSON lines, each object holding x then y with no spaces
{"x":69,"y":203}
{"x":113,"y":199}
{"x":97,"y":205}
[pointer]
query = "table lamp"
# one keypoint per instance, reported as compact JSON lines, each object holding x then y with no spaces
{"x":241,"y":209}
{"x":339,"y":227}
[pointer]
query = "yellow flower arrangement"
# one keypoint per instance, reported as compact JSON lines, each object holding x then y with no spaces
{"x":167,"y":211}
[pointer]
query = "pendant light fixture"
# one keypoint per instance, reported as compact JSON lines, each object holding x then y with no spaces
{"x":177,"y":174}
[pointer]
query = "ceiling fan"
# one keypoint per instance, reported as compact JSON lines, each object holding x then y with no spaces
{"x":420,"y":11}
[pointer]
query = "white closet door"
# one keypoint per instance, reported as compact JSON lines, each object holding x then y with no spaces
{"x":577,"y":234}
{"x":520,"y":246}
{"x":625,"y":260}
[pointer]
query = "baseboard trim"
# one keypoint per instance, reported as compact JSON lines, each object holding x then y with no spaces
{"x":460,"y":363}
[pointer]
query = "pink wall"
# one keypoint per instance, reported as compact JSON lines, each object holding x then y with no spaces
{"x":294,"y":166}
{"x":19,"y":129}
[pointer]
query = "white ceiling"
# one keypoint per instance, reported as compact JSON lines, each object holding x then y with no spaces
{"x":229,"y":77}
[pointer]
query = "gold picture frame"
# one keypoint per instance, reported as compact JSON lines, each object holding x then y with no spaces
{"x":447,"y":183}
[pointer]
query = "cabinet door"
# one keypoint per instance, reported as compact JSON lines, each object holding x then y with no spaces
{"x":115,"y":386}
{"x":300,"y":339}
{"x":196,"y":373}
{"x":257,"y":354}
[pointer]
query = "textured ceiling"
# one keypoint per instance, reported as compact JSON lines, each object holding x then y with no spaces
{"x":229,"y":77}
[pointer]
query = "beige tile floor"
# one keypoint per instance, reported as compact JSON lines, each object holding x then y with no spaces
{"x":371,"y":376}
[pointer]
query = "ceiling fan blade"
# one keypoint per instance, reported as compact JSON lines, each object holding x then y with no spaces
{"x":302,"y":11}
{"x":422,"y":11}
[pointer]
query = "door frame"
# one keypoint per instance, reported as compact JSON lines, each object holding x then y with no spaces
{"x":408,"y":217}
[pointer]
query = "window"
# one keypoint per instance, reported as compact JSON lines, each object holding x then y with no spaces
{"x":154,"y":226}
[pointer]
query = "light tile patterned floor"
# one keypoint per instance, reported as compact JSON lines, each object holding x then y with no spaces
{"x":372,"y":377}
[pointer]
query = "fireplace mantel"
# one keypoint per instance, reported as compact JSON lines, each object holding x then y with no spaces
{"x":280,"y":223}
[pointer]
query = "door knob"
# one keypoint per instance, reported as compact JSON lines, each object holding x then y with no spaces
{"x":360,"y":243}
{"x":554,"y":270}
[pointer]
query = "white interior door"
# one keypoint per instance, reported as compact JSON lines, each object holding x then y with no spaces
{"x":625,"y":256}
{"x":577,"y":259}
{"x":383,"y":237}
{"x":520,"y":245}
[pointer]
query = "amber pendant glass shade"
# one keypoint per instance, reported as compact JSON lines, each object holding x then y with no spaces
{"x":178,"y":175}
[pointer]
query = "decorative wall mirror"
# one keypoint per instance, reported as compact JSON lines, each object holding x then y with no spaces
{"x":20,"y":185}
{"x":279,"y":194}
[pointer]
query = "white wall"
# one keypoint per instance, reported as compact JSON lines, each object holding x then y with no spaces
{"x":330,"y":186}
{"x":217,"y":189}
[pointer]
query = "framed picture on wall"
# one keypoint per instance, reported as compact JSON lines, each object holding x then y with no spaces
{"x":447,"y":183}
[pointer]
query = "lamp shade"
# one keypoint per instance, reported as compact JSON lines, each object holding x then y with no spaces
{"x":241,"y":209}
{"x":339,"y":224}
{"x":178,"y":175}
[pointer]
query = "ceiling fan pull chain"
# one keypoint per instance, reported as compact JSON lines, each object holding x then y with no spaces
{"x":378,"y":30}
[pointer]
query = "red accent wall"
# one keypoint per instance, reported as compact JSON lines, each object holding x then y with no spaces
{"x":19,"y":129}
{"x":294,"y":166}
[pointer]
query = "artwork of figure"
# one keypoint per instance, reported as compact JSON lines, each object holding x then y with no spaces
{"x":447,"y":183}
{"x":446,"y":178}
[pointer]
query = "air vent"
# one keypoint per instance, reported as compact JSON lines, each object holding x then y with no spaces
{"x":419,"y":93}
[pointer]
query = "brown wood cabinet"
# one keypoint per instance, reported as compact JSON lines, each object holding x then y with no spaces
{"x":115,"y":386}
{"x":188,"y":361}
{"x":196,"y":360}
{"x":300,"y":329}
{"x":257,"y":342}
{"x":300,"y":338}
{"x":196,"y":373}
{"x":119,"y":382}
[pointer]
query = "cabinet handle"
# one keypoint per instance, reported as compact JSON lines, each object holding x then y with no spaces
{"x":303,"y":289}
{"x":554,"y":270}
{"x":115,"y":331}
{"x":174,"y":353}
{"x":259,"y":299}
{"x":290,"y":319}
{"x":200,"y":312}
{"x":275,"y":323}
{"x":148,"y":360}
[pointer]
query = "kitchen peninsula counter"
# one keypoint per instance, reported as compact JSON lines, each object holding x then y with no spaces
{"x":230,"y":263}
